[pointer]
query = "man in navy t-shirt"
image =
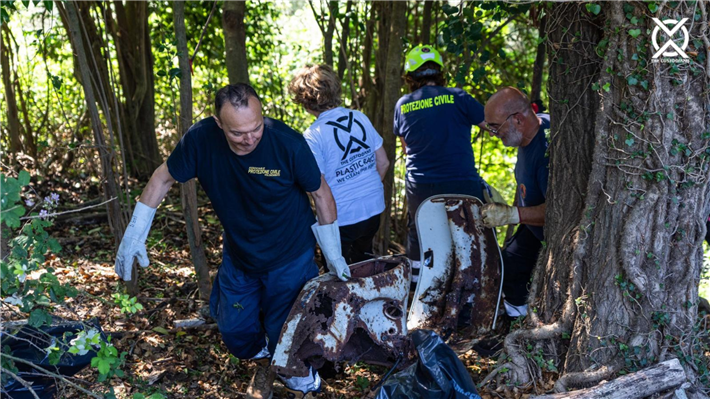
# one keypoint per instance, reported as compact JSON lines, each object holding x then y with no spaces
{"x":257,"y":172}
{"x":510,"y":117}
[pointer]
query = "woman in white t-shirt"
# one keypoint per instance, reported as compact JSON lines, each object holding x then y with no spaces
{"x":349,"y":153}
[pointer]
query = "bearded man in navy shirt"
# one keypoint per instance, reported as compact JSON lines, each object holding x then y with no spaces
{"x":510,"y":117}
{"x":256,"y":172}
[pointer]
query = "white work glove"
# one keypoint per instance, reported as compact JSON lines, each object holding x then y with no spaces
{"x":133,"y":242}
{"x":328,"y":237}
{"x":495,"y":215}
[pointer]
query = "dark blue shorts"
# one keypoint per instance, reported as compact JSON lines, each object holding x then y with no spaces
{"x":237,"y":299}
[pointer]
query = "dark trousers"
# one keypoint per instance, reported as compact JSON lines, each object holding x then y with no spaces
{"x":519,"y":257}
{"x":418,"y":192}
{"x":356,"y":239}
{"x":238,"y":297}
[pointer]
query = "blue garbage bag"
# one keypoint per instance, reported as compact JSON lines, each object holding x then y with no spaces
{"x":28,"y":343}
{"x":437,"y":374}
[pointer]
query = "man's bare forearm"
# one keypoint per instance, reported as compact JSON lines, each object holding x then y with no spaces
{"x":157,"y":187}
{"x":532,"y":215}
{"x":325,"y":204}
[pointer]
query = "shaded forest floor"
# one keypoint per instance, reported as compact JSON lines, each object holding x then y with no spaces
{"x":187,"y":363}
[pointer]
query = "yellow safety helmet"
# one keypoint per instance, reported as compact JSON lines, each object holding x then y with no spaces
{"x":417,"y":56}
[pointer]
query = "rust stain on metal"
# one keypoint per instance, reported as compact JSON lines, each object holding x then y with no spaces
{"x":362,"y":319}
{"x":474,"y":275}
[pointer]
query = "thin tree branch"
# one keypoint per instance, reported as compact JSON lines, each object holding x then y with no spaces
{"x":199,"y":42}
{"x":353,"y":94}
{"x":65,"y":212}
{"x":21,"y":381}
{"x":318,"y":17}
{"x":54,"y":375}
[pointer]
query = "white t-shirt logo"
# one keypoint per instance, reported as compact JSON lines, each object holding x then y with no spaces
{"x":354,"y":144}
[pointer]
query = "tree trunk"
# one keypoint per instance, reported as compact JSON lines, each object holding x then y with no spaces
{"x":394,"y":19}
{"x":135,"y":61}
{"x":621,"y":268}
{"x":425,"y":37}
{"x":344,"y":51}
{"x":93,"y":44}
{"x":539,"y":64}
{"x":97,"y":54}
{"x":437,"y":10}
{"x":22,"y":137}
{"x":28,"y":135}
{"x":235,"y":39}
{"x":570,"y":148}
{"x":328,"y":34}
{"x":110,"y":187}
{"x":366,"y":85}
{"x":188,"y":190}
{"x":413,"y":15}
{"x":13,"y":118}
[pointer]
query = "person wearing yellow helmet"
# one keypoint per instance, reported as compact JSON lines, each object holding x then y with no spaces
{"x":434,"y":124}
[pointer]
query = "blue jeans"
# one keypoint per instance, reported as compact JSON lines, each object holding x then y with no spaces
{"x":238,"y":297}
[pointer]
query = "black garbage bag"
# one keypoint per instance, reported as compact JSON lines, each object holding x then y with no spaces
{"x":28,"y":343}
{"x":438,"y":373}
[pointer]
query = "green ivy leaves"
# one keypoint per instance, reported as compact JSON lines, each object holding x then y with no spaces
{"x":594,"y":8}
{"x":10,"y":207}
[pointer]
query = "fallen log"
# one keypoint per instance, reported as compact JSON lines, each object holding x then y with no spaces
{"x":641,"y":384}
{"x":685,"y":391}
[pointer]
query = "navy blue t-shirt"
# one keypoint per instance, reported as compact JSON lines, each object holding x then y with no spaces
{"x":260,"y":198}
{"x":436,"y":124}
{"x":531,"y":171}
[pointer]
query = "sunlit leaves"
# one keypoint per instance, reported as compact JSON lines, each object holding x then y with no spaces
{"x":107,"y":361}
{"x":126,"y":303}
{"x":8,"y":7}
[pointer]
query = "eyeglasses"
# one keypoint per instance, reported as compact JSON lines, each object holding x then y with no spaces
{"x":495,"y":130}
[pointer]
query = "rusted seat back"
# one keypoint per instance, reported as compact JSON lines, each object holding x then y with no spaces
{"x":362,"y":319}
{"x":460,"y":265}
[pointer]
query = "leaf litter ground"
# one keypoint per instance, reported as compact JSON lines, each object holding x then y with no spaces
{"x":189,"y":363}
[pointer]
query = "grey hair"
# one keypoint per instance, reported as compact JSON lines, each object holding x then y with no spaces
{"x":235,"y":94}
